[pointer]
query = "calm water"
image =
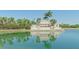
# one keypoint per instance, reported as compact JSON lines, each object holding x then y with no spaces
{"x":41,"y":40}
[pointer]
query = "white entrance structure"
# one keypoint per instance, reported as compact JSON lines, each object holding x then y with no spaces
{"x":44,"y":25}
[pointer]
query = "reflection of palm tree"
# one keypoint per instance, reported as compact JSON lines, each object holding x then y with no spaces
{"x":10,"y":41}
{"x":1,"y":43}
{"x":27,"y":38}
{"x":47,"y":44}
{"x":37,"y":39}
{"x":52,"y":38}
{"x":5,"y":38}
{"x":8,"y":38}
{"x":4,"y":41}
{"x":23,"y":37}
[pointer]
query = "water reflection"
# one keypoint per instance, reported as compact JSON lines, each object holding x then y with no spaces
{"x":10,"y":38}
{"x":46,"y":38}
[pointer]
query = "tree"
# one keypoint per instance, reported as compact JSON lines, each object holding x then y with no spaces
{"x":22,"y":23}
{"x":47,"y":15}
{"x":11,"y":23}
{"x":5,"y":19}
{"x":11,"y":20}
{"x":4,"y":22}
{"x":33,"y":22}
{"x":28,"y":24}
{"x":53,"y":22}
{"x":38,"y":20}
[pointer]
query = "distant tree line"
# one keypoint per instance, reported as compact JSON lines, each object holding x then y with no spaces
{"x":69,"y":26}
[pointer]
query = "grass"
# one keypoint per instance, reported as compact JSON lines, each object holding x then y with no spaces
{"x":5,"y":31}
{"x":12,"y":31}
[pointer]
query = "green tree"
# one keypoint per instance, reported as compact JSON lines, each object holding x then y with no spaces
{"x":48,"y":15}
{"x":38,"y":20}
{"x":33,"y":22}
{"x":53,"y":22}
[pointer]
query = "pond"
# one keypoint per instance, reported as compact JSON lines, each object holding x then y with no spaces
{"x":68,"y":39}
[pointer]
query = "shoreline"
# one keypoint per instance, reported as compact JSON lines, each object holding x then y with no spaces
{"x":71,"y":28}
{"x":8,"y":31}
{"x":25,"y":30}
{"x":4,"y":31}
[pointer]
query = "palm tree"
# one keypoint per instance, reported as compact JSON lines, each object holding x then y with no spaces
{"x":47,"y":15}
{"x":11,"y":23}
{"x":53,"y":22}
{"x":11,"y":20}
{"x":23,"y":23}
{"x":1,"y":20}
{"x":4,"y":20}
{"x":28,"y":24}
{"x":1,"y":23}
{"x":38,"y":20}
{"x":33,"y":22}
{"x":52,"y":38}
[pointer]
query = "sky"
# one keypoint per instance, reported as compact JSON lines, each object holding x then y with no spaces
{"x":62,"y":16}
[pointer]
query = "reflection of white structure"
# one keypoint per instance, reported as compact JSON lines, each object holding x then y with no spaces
{"x":44,"y":35}
{"x":44,"y":25}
